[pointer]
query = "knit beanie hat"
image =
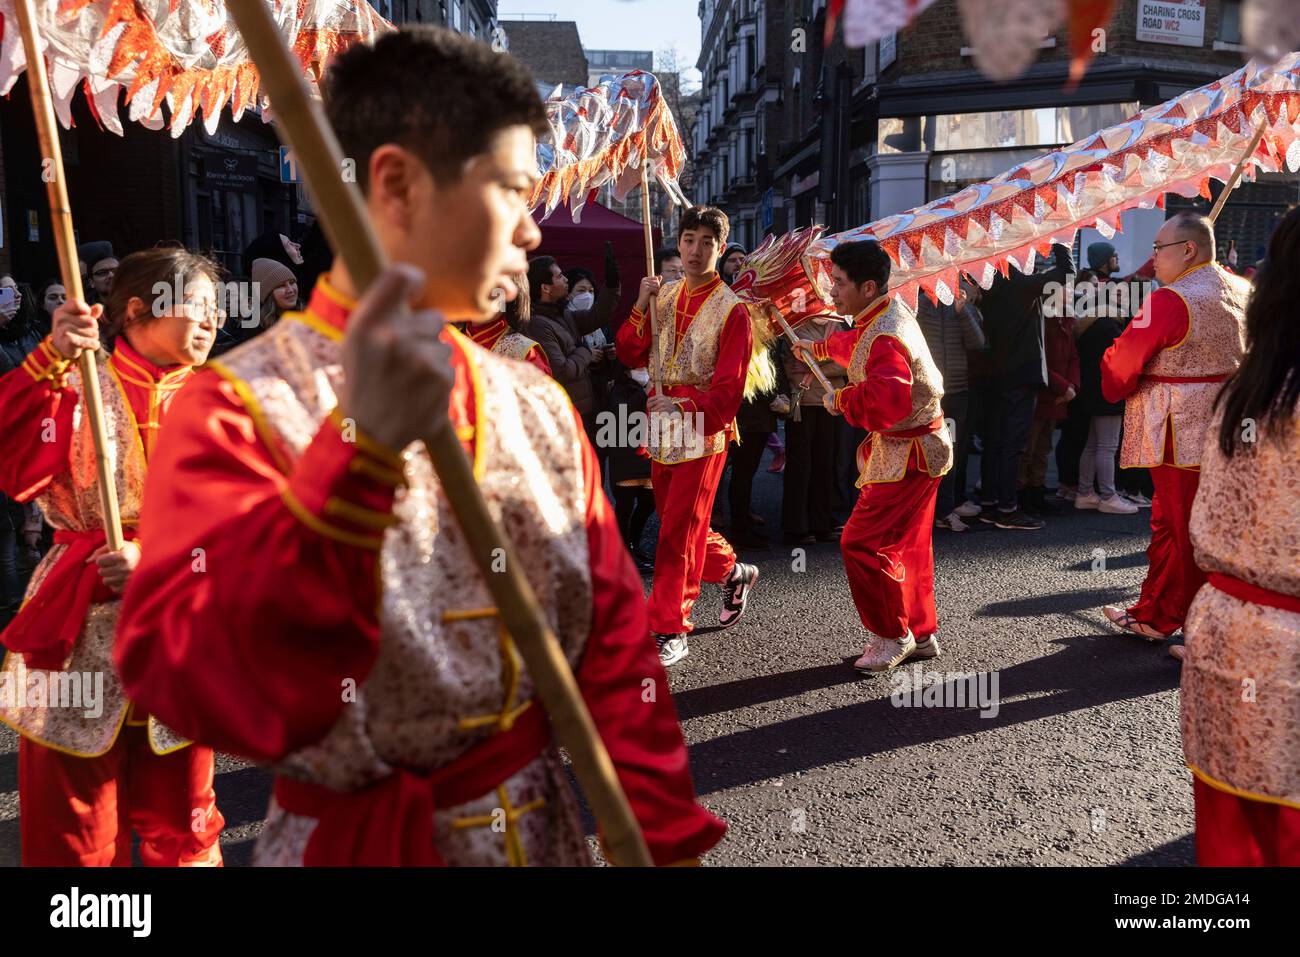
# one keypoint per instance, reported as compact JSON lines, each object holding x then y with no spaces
{"x":1099,"y":254}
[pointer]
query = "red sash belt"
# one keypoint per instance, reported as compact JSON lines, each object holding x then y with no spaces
{"x":917,"y":432}
{"x":46,"y":628}
{"x":390,"y":823}
{"x":1253,"y":593}
{"x":1183,"y":379}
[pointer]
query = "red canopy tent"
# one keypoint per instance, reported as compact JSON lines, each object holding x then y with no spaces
{"x":583,"y":244}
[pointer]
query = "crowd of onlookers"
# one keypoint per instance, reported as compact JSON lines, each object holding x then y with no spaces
{"x":1018,"y":363}
{"x":1016,"y":370}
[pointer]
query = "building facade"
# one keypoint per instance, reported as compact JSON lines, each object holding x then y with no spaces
{"x":741,"y":104}
{"x":214,"y":193}
{"x":853,"y":135}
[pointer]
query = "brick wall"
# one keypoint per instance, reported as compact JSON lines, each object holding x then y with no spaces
{"x":932,"y":44}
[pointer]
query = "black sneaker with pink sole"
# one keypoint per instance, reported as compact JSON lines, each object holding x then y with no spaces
{"x":735,"y":593}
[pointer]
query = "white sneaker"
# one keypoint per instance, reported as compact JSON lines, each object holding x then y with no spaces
{"x":952,"y":522}
{"x":927,"y":647}
{"x":1140,"y":500}
{"x":967,"y":509}
{"x":1115,"y":505}
{"x":1066,"y":493}
{"x":1087,"y":500}
{"x":884,"y":654}
{"x":672,"y":649}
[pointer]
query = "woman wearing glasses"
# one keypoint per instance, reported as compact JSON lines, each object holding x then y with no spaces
{"x":84,"y":768}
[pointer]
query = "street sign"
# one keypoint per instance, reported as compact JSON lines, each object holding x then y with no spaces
{"x":1179,"y":23}
{"x":288,"y":167}
{"x":767,"y":208}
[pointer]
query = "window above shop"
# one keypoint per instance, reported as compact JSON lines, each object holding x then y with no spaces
{"x":1005,"y":129}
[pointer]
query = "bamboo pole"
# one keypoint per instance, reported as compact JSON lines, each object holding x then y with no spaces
{"x":301,"y":123}
{"x":816,"y":370}
{"x":1231,"y":184}
{"x":56,"y":190}
{"x":656,"y":373}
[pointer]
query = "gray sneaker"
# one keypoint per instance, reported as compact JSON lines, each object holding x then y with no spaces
{"x":672,"y":649}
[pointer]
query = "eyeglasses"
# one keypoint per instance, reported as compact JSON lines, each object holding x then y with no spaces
{"x":1156,"y":247}
{"x":201,"y":312}
{"x":104,"y":273}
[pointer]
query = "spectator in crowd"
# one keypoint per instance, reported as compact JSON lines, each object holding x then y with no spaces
{"x":1013,"y":325}
{"x":811,"y":436}
{"x":101,"y":267}
{"x":53,"y":295}
{"x":755,"y":422}
{"x":279,"y":289}
{"x":18,"y":334}
{"x":559,"y":331}
{"x":629,"y":465}
{"x":1097,"y":460}
{"x":1062,"y":387}
{"x":1074,"y":428}
{"x":729,"y":262}
{"x":951,"y":332}
{"x":19,"y":525}
{"x":668,"y":264}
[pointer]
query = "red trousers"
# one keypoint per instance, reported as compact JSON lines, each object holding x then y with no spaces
{"x":1234,"y":831}
{"x":1172,"y":576}
{"x":887,"y":553}
{"x":79,"y":812}
{"x":688,"y":551}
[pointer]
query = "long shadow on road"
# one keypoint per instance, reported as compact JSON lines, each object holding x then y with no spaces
{"x":1089,"y":670}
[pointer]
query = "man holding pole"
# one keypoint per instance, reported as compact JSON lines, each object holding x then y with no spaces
{"x":895,"y":391}
{"x":1167,"y":367}
{"x":703,"y":360}
{"x":337,"y":626}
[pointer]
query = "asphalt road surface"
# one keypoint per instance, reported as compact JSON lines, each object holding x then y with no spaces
{"x":1079,"y":763}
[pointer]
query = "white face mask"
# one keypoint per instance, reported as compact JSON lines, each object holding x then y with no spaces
{"x":640,"y":376}
{"x":582,"y":301}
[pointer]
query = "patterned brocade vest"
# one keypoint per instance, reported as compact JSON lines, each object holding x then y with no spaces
{"x":1241,"y":734}
{"x":71,"y":503}
{"x":883,"y":457}
{"x":692,"y":362}
{"x":1215,"y":342}
{"x":513,"y":345}
{"x":447,"y":676}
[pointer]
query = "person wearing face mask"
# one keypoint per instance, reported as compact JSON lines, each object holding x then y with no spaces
{"x":84,"y":775}
{"x":810,"y":436}
{"x":559,"y":330}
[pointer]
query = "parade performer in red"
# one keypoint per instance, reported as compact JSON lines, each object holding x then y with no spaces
{"x":1241,"y":674}
{"x":90,"y":770}
{"x":895,"y":392}
{"x":341,"y":630}
{"x":710,"y":352}
{"x":502,"y":332}
{"x":1167,"y":366}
